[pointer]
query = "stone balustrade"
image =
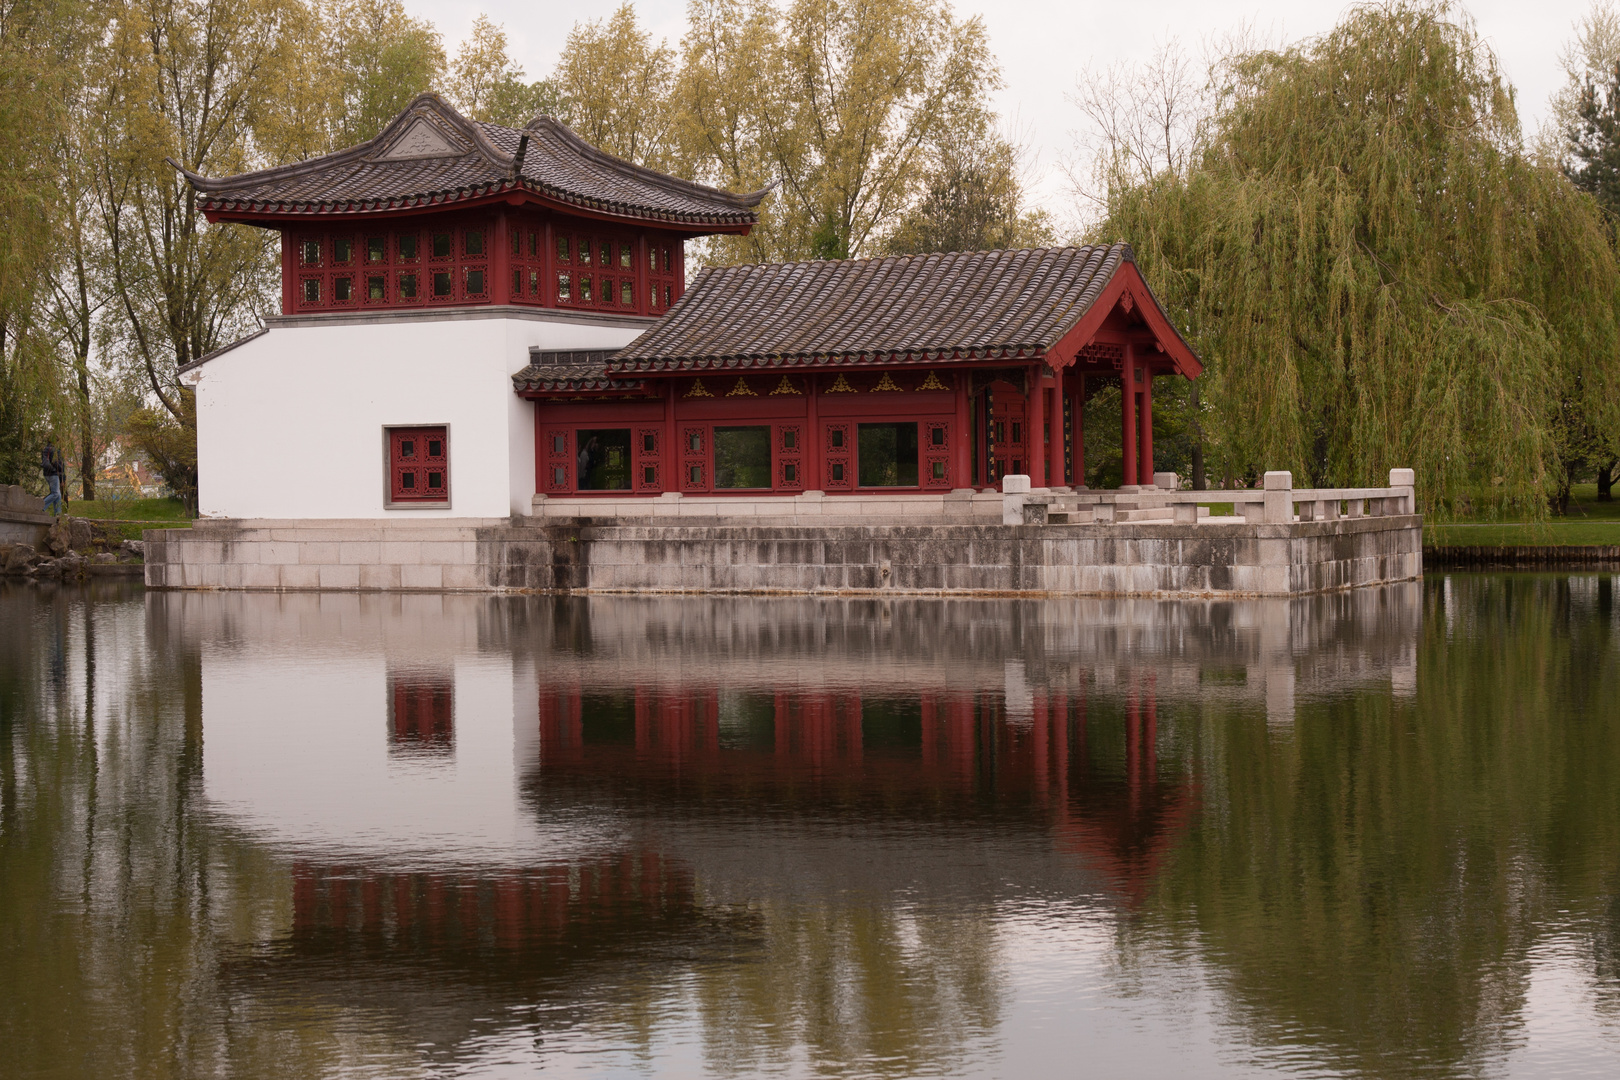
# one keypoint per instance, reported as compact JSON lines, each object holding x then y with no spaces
{"x":1275,"y":502}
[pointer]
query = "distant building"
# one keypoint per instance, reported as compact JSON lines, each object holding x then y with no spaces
{"x":474,"y":315}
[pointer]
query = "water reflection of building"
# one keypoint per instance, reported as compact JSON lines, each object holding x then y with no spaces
{"x":765,"y":757}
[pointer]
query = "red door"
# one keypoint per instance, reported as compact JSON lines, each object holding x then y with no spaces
{"x":1008,"y":435}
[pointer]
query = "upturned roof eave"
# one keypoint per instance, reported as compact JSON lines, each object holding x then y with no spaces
{"x":247,"y":211}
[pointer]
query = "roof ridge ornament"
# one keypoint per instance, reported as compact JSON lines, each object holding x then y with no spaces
{"x":421,"y":138}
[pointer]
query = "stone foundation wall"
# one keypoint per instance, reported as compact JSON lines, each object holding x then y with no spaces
{"x":582,"y":555}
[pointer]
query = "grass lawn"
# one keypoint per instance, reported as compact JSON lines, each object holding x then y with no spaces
{"x":127,"y":518}
{"x":157,"y":511}
{"x":1588,"y":522}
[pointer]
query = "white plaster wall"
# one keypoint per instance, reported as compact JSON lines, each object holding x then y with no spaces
{"x":289,"y":425}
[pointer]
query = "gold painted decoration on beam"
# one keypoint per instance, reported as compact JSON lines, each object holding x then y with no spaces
{"x":785,"y":387}
{"x":741,"y":389}
{"x":841,"y":386}
{"x":932,"y":383}
{"x":698,"y":390}
{"x":887,"y":383}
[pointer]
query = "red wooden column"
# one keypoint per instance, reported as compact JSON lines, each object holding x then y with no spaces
{"x":671,"y":457}
{"x":1054,"y":449}
{"x":1127,"y":426}
{"x":961,"y":459}
{"x":814,"y":449}
{"x":1034,"y":451}
{"x":1145,"y":414}
{"x":500,"y":263}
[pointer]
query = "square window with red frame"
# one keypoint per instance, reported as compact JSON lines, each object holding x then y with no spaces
{"x":418,"y":465}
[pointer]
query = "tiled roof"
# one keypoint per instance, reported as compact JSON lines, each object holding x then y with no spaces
{"x":912,"y":309}
{"x":581,"y":369}
{"x":431,"y":154}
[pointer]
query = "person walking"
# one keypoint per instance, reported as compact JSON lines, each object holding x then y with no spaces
{"x":50,"y":463}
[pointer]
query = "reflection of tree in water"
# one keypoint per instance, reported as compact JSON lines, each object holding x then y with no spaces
{"x":1372,"y":880}
{"x":864,"y":987}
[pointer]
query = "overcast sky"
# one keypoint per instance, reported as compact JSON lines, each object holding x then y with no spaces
{"x":1042,"y":46}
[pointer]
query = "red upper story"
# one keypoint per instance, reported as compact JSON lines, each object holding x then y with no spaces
{"x":439,"y":210}
{"x":485,"y":255}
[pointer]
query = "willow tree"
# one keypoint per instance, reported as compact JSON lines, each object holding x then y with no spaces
{"x":1376,"y":272}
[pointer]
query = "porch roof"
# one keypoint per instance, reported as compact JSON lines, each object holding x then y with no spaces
{"x":1040,"y":304}
{"x":558,"y":372}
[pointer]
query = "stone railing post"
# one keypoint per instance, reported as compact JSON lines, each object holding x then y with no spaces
{"x":1279,"y":498}
{"x":1405,"y":500}
{"x":1014,"y":487}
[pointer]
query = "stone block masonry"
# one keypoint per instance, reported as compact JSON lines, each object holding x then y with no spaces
{"x":1135,"y":558}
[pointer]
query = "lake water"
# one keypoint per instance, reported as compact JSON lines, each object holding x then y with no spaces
{"x":397,"y":836}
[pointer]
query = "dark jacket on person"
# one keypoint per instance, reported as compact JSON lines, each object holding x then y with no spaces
{"x":50,"y":462}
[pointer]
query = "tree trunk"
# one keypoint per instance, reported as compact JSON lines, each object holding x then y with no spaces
{"x":1605,"y":481}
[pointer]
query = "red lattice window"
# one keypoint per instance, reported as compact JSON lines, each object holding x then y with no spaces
{"x":694,"y":458}
{"x":419,"y":465}
{"x":839,"y":469}
{"x":556,"y":460}
{"x":789,"y":464}
{"x":934,"y":470}
{"x":646,"y":450}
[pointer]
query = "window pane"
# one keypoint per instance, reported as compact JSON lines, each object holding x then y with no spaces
{"x":565,"y":289}
{"x":376,"y":287}
{"x":407,"y":286}
{"x":562,"y":249}
{"x":607,"y":254}
{"x":312,"y":290}
{"x":624,"y":255}
{"x":937,"y":436}
{"x":475,"y":241}
{"x":441,"y":283}
{"x":584,"y":253}
{"x":407,"y":448}
{"x":376,"y":249}
{"x":649,"y":443}
{"x":342,"y":249}
{"x":652,"y":259}
{"x":534,"y":282}
{"x":887,"y":455}
{"x":517,"y":281}
{"x":742,"y":457}
{"x":475,"y":283}
{"x":603,"y":459}
{"x":441,"y":245}
{"x":627,"y":295}
{"x":585,"y":288}
{"x":790,"y":473}
{"x":407,"y":480}
{"x":517,"y":242}
{"x":310,"y":253}
{"x":407,"y":249}
{"x":342,"y":289}
{"x":435,"y":448}
{"x":790,"y":440}
{"x":534,"y":245}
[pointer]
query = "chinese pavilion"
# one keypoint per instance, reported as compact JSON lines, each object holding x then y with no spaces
{"x":473,"y":315}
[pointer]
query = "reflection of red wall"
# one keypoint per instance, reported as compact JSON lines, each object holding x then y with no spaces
{"x":1123,"y":828}
{"x":509,"y":909}
{"x":1125,"y":831}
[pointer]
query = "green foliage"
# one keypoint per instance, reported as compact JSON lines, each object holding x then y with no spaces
{"x":1377,"y":276}
{"x":170,"y":444}
{"x":487,"y":84}
{"x":971,"y":200}
{"x":850,"y":106}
